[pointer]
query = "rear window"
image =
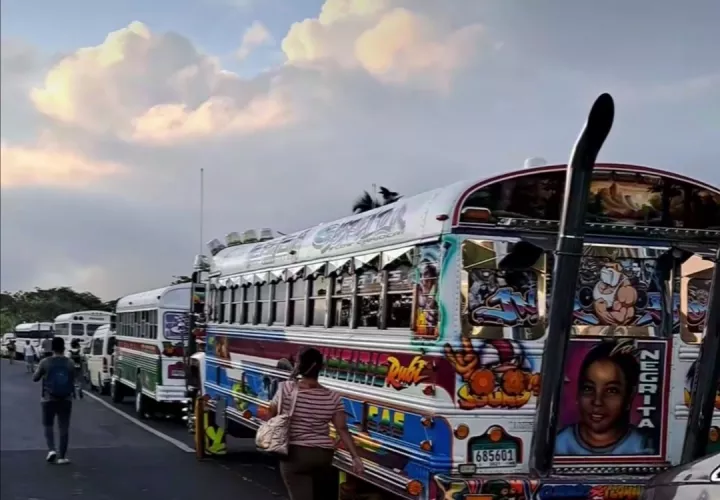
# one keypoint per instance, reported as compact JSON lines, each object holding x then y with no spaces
{"x":78,"y":330}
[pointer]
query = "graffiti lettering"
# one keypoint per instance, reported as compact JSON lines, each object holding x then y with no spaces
{"x":648,"y":387}
{"x":359,"y":367}
{"x":616,"y":492}
{"x":385,"y":421}
{"x":399,"y":377}
{"x":375,"y":227}
{"x":272,"y":251}
{"x":508,"y":307}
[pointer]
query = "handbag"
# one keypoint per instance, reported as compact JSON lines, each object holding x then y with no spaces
{"x":273,"y":436}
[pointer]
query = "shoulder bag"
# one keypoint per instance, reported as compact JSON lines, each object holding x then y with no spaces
{"x":273,"y":436}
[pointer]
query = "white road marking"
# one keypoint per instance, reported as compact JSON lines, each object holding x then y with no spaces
{"x":178,"y":444}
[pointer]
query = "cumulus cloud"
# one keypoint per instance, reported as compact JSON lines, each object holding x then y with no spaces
{"x":51,"y":165}
{"x":255,"y":36}
{"x":393,"y":44}
{"x":354,"y":103}
{"x":141,"y":86}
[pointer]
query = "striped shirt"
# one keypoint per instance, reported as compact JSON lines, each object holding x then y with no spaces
{"x":314,"y":409}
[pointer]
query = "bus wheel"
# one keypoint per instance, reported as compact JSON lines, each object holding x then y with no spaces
{"x":116,"y":392}
{"x":140,"y":402}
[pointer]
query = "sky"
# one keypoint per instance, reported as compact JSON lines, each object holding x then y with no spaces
{"x":294,"y":107}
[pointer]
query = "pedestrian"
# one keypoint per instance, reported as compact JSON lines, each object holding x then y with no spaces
{"x":58,"y":384}
{"x":29,"y":353}
{"x":308,"y":467}
{"x":11,"y":350}
{"x":76,"y":358}
{"x":47,"y":347}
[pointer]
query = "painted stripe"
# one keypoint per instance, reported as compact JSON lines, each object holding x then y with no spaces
{"x":178,"y":444}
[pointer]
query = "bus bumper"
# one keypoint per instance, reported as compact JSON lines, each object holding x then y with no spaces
{"x":171,"y":394}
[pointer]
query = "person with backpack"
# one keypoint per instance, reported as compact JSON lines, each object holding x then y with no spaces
{"x":58,"y":386}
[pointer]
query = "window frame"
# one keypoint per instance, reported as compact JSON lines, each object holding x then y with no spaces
{"x":311,"y":295}
{"x":276,"y":302}
{"x":345,"y":270}
{"x":293,"y":300}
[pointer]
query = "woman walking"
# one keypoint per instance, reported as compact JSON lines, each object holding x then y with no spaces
{"x":307,"y":470}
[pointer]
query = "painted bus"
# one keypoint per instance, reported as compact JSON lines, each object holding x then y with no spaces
{"x":34,"y":332}
{"x":151,"y":335}
{"x":80,"y":325}
{"x":433,"y":315}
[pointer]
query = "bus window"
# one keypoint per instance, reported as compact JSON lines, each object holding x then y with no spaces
{"x":77,"y":329}
{"x":296,"y":309}
{"x":427,"y":272}
{"x":619,"y":296}
{"x":341,"y":307}
{"x":278,"y":303}
{"x":90,"y":329}
{"x":263,"y":305}
{"x":369,"y":288}
{"x":399,"y":296}
{"x":62,"y":329}
{"x":495,"y":299}
{"x":318,"y":299}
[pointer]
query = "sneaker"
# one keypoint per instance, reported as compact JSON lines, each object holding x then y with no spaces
{"x":51,"y":456}
{"x":62,"y":461}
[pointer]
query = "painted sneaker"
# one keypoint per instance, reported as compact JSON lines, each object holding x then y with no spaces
{"x":51,"y":457}
{"x":63,"y":461}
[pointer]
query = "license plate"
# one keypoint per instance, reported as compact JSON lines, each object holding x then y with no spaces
{"x":495,"y":457}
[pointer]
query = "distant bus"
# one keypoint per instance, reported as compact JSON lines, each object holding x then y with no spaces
{"x":80,"y":325}
{"x":34,"y":332}
{"x":151,"y":333}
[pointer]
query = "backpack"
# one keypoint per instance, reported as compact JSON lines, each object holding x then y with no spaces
{"x":58,"y":380}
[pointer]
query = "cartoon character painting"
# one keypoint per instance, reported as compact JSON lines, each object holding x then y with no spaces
{"x":614,"y":297}
{"x":494,"y":373}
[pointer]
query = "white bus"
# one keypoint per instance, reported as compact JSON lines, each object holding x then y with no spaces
{"x":80,"y":325}
{"x":34,"y":332}
{"x":151,"y":332}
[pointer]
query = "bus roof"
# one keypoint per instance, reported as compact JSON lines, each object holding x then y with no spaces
{"x":169,"y":297}
{"x":27,"y":327}
{"x":623,"y":197}
{"x":91,"y":316}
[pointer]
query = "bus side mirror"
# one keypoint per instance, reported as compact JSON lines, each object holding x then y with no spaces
{"x":113,"y":323}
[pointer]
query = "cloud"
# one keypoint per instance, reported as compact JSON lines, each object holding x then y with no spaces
{"x":50,"y":165}
{"x":101,"y":147}
{"x":255,"y":36}
{"x":393,"y":44}
{"x":140,"y":86}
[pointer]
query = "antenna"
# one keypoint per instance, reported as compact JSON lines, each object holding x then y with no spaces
{"x":202,"y":205}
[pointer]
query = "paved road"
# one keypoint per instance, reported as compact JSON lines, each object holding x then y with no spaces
{"x":113,"y":458}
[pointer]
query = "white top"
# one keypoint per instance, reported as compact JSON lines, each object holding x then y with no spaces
{"x":176,"y":297}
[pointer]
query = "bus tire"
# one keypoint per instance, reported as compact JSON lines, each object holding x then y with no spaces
{"x":140,"y":401}
{"x":117,"y":393}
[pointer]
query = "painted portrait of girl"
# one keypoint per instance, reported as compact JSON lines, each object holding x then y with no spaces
{"x":607,"y":386}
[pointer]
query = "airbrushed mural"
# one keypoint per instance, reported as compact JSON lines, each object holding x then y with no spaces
{"x":493,"y":373}
{"x":689,"y":376}
{"x":382,"y":430}
{"x":697,"y":304}
{"x":620,"y":292}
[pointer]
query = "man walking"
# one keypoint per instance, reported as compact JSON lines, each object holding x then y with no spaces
{"x":29,"y":352}
{"x":58,"y":385}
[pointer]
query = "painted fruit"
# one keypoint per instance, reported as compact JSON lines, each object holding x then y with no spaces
{"x":482,"y":382}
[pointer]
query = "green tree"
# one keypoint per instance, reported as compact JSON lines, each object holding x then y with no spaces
{"x":44,"y":304}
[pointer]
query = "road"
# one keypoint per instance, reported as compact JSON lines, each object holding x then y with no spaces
{"x":115,"y":458}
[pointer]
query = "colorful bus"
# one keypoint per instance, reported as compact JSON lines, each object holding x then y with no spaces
{"x":432,"y":314}
{"x":80,"y":325}
{"x":151,"y":335}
